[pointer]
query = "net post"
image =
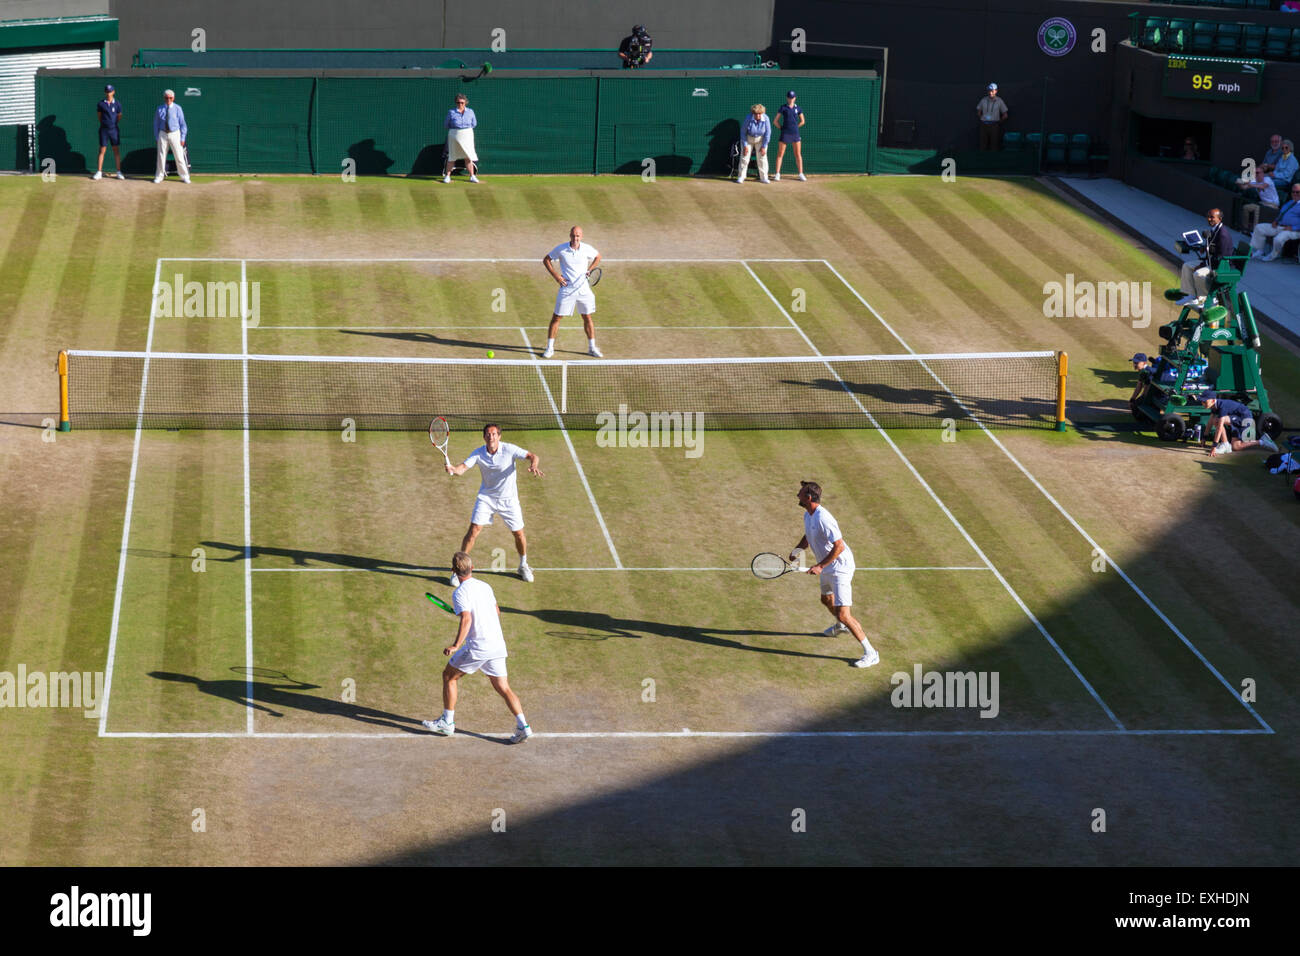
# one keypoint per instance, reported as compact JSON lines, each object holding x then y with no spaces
{"x":1062,"y":366}
{"x":65,"y":422}
{"x":564,"y":388}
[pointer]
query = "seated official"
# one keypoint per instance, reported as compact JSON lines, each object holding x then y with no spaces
{"x":1196,"y":276}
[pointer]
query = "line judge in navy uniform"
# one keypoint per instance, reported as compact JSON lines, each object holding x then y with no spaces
{"x":109,"y":111}
{"x":170,"y":131}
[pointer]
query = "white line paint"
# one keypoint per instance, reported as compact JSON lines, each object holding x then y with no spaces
{"x":952,"y":518}
{"x":686,"y":733}
{"x":248,"y":522}
{"x":1058,"y":506}
{"x":600,"y":519}
{"x":531,"y":328}
{"x":130,"y":503}
{"x":387,"y":569}
{"x":530,"y":260}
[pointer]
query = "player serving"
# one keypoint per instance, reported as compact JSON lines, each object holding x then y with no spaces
{"x":834,"y":568}
{"x":498,"y":492}
{"x":479,"y":645}
{"x":575,"y":259}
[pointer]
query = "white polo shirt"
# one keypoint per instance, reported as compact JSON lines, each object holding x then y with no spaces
{"x":498,"y":471}
{"x":485,"y":642}
{"x":573,"y":263}
{"x":822,"y":531}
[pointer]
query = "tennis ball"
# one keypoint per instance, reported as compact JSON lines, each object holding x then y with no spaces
{"x":492,"y":354}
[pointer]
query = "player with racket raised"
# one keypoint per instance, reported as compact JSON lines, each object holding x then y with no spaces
{"x":576,"y":260}
{"x":834,"y":568}
{"x":498,"y":491}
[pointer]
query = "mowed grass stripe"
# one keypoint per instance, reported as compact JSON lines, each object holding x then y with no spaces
{"x":831,"y":316}
{"x":25,"y":248}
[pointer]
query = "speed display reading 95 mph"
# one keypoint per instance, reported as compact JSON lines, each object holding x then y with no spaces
{"x":1206,"y":78}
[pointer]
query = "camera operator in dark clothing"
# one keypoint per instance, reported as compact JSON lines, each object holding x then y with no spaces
{"x":634,"y":51}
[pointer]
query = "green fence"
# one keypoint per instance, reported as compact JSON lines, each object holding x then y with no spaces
{"x":391,"y":124}
{"x":605,"y":58}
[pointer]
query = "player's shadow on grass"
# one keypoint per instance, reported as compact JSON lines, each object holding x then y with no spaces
{"x":626,"y":627}
{"x":274,"y":699}
{"x":302,"y":559}
{"x":428,"y":339}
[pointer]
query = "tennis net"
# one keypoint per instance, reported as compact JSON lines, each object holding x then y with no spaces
{"x":196,"y":391}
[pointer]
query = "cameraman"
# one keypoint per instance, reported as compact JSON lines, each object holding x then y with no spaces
{"x":634,"y":51}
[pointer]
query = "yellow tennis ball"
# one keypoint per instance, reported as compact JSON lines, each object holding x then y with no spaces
{"x":492,"y":354}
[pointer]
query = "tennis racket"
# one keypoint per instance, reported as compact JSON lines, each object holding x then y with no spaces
{"x":769,"y":566}
{"x":592,"y":278}
{"x":440,"y":602}
{"x":440,"y":435}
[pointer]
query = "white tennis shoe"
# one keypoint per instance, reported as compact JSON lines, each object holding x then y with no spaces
{"x":99,"y":174}
{"x":473,"y":179}
{"x":803,"y":178}
{"x":1223,"y":448}
{"x":157,"y":180}
{"x":440,"y":727}
{"x":836,"y":628}
{"x":548,"y":351}
{"x":525,"y":572}
{"x":1268,"y":442}
{"x":521,"y":734}
{"x":446,"y":178}
{"x":595,"y":352}
{"x":870,"y":659}
{"x":119,"y":175}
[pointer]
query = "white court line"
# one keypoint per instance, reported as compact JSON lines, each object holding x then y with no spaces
{"x":613,"y":552}
{"x":951,"y":517}
{"x":534,"y":328}
{"x":130,"y":501}
{"x":530,"y":259}
{"x":248,"y":523}
{"x":387,"y":568}
{"x":1098,"y":549}
{"x":686,"y":732}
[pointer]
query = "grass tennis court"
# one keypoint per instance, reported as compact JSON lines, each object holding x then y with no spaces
{"x":1118,"y":688}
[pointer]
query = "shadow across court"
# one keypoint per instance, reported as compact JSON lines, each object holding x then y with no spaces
{"x":631,"y":628}
{"x":426,"y":338}
{"x":303,"y":558}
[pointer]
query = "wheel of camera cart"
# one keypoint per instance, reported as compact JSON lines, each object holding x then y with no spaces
{"x":1270,"y":425}
{"x":1171,"y":427}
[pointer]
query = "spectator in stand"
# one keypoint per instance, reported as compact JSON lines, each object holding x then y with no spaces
{"x":1190,"y":149}
{"x":1260,"y":192}
{"x":992,"y":112}
{"x":1285,"y":169}
{"x":1281,"y":230}
{"x":1273,"y":153}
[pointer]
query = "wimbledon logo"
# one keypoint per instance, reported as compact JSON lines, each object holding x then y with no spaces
{"x":1056,"y":36}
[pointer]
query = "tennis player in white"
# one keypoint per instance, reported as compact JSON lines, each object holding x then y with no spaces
{"x":834,"y":568}
{"x":575,"y":259}
{"x":498,"y":493}
{"x":479,"y":645}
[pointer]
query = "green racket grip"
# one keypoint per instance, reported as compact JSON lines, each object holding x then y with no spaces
{"x":440,"y":602}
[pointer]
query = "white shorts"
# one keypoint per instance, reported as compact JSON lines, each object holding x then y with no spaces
{"x":493,"y":668}
{"x":839,"y":584}
{"x":509,"y":510}
{"x":579,"y":295}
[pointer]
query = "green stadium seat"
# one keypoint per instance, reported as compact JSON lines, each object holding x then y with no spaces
{"x":1056,"y":150}
{"x":1153,"y":33}
{"x":1080,"y":144}
{"x":1294,"y":51}
{"x":1179,"y":37}
{"x":1013,"y":142}
{"x":1277,"y":43}
{"x":1203,"y":33}
{"x":1227,"y":39}
{"x":1260,"y":5}
{"x":1252,"y":40}
{"x":1233,"y":4}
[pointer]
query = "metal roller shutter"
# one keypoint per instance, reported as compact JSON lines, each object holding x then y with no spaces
{"x":18,"y":77}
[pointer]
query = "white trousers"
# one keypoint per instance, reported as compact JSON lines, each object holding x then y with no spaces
{"x":1195,"y":280}
{"x":752,"y":144}
{"x":1271,"y":230}
{"x":173,"y":140}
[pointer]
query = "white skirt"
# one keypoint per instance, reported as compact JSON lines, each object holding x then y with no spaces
{"x":460,"y":145}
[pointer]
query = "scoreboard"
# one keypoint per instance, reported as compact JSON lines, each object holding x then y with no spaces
{"x":1208,"y":78}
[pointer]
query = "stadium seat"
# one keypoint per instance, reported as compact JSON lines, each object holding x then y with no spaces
{"x":1277,"y":43}
{"x":1294,"y":51}
{"x":1056,"y":150}
{"x":1260,"y":5}
{"x":1232,"y":4}
{"x":1079,"y":148}
{"x":1252,"y":40}
{"x":1227,"y":39}
{"x":1012,"y":142}
{"x":1153,"y":33}
{"x":1203,"y":33}
{"x":1179,"y":37}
